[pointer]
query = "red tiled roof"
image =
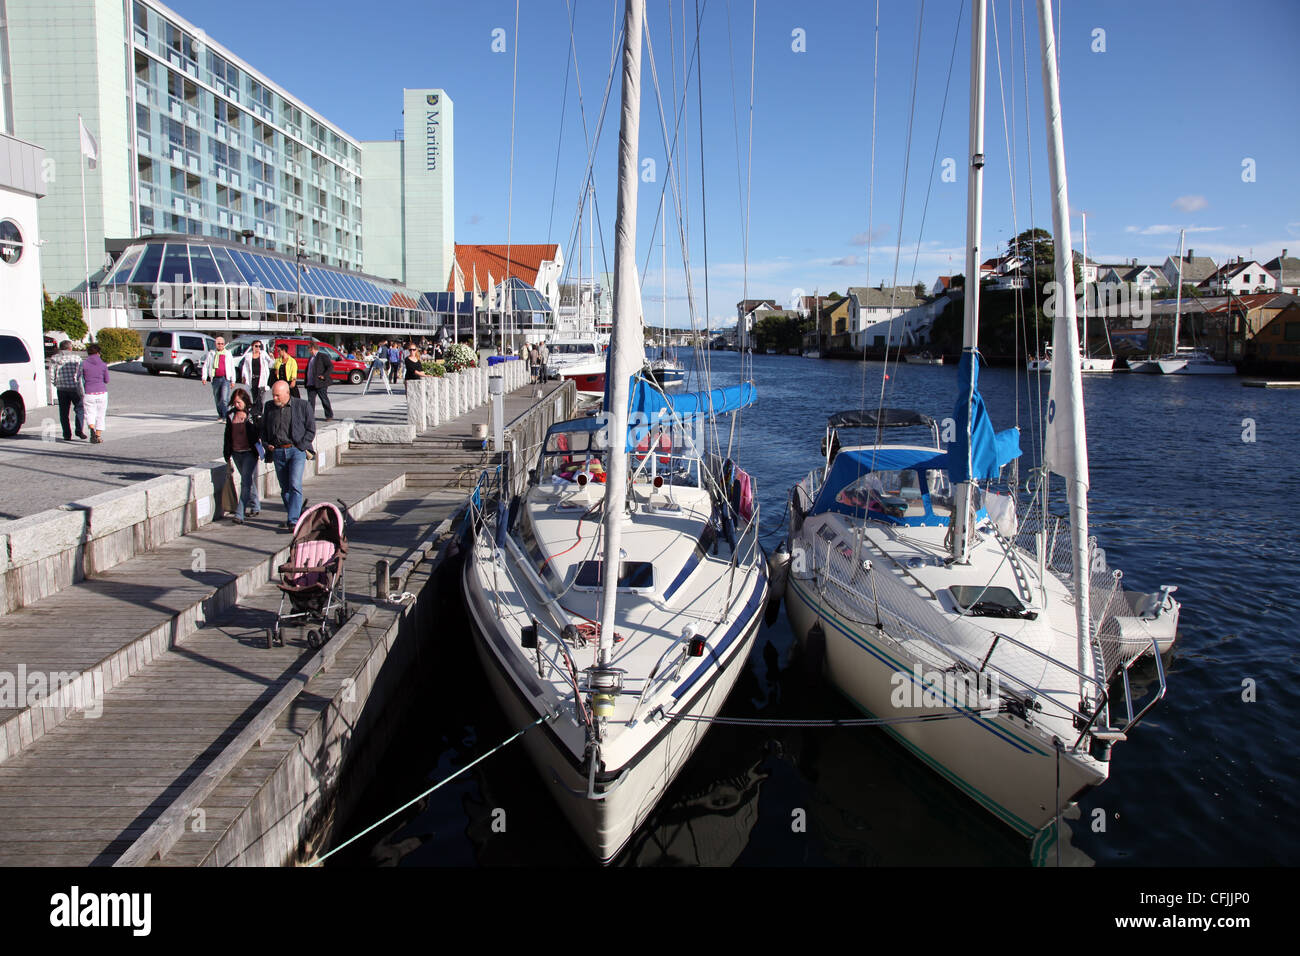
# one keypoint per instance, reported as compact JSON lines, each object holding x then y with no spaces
{"x":525,"y":260}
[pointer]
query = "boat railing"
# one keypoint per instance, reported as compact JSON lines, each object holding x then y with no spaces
{"x":875,"y":600}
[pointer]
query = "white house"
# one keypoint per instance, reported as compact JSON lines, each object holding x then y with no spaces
{"x":1139,"y":276}
{"x":1239,"y":278}
{"x":21,"y":186}
{"x":891,"y":315}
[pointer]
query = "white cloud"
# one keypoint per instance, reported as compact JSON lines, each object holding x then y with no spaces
{"x":868,"y":238}
{"x":1190,"y":203}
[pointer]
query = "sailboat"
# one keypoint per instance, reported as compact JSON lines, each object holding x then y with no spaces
{"x":665,"y":369}
{"x":620,"y":670}
{"x":1091,"y":363}
{"x":990,"y":646}
{"x":1184,"y":359}
{"x":1087,"y":363}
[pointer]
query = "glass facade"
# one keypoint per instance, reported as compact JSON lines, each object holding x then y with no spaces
{"x":167,"y":278}
{"x":221,"y":153}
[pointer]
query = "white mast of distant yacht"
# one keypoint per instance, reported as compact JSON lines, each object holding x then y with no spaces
{"x":1178,"y":299}
{"x":623,"y":346}
{"x":1065,"y":450}
{"x":970,"y":305}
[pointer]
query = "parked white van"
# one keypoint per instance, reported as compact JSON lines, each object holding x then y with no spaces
{"x":20,"y":379}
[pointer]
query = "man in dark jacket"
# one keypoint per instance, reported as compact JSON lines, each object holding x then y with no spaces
{"x":320,"y":369}
{"x":288,"y":430}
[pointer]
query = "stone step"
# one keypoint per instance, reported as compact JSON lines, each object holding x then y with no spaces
{"x":92,"y":636}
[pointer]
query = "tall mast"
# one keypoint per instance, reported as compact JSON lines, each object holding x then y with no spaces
{"x":971,"y":304}
{"x":1083,"y":274}
{"x":1066,"y":449}
{"x":1178,"y":300}
{"x":663,"y":266}
{"x":625,"y":340}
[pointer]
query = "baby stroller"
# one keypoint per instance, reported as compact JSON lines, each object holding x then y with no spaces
{"x":311,"y":581}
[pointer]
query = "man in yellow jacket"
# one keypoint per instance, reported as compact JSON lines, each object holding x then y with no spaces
{"x":286,"y":369}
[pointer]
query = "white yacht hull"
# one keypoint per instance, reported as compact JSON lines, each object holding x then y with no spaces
{"x":628,"y":792}
{"x":999,"y":762}
{"x":1097,"y":364}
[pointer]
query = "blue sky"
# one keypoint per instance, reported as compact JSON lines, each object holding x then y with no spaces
{"x":1157,"y":125}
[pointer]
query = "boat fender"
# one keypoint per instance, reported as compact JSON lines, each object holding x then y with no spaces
{"x":503,"y":527}
{"x":814,"y":650}
{"x":515,"y":502}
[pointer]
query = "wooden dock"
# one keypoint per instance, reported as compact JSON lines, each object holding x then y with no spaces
{"x":215,"y":749}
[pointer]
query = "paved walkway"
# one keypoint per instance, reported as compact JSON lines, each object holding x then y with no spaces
{"x":156,"y":425}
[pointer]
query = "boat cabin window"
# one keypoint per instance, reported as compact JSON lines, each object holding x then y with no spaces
{"x":631,"y":574}
{"x":989,"y":602}
{"x":572,"y":348}
{"x":893,"y":493}
{"x":569,"y":453}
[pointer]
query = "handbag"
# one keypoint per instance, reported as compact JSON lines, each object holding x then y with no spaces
{"x":229,"y":500}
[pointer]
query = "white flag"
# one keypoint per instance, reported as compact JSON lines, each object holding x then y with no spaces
{"x":89,"y":148}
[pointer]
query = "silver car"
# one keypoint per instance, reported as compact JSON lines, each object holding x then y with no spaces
{"x":176,"y":351}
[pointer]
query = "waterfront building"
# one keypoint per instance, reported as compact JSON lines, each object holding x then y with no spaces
{"x":407,"y":195}
{"x":890,"y":315}
{"x":219,"y":285}
{"x":193,"y":140}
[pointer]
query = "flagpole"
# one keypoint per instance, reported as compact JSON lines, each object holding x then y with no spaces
{"x":85,"y":229}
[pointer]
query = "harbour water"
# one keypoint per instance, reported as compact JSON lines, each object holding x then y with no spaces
{"x":1193,"y":483}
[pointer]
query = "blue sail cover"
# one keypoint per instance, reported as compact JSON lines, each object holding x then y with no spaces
{"x":652,"y":402}
{"x":986,"y":452}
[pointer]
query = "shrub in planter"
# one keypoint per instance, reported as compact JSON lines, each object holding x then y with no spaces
{"x":433,"y":369}
{"x":119,"y":345}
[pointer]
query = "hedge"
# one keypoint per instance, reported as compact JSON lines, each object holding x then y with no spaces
{"x":119,"y":345}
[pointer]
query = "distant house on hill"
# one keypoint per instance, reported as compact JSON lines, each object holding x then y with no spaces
{"x":1286,"y":271}
{"x":1131,"y":273}
{"x":1239,"y":278}
{"x":1196,"y":269}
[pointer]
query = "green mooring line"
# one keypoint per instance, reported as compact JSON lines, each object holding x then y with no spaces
{"x":325,"y":856}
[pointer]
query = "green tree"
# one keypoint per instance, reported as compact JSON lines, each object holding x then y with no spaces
{"x":63,"y":315}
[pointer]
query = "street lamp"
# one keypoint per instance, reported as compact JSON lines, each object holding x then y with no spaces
{"x":302,"y":255}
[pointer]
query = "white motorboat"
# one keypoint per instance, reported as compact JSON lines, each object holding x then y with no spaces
{"x":621,"y":671}
{"x":1040,"y":363}
{"x":923,"y":358}
{"x":996,"y":649}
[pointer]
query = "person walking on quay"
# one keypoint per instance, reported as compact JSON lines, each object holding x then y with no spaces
{"x":543,"y":357}
{"x":414,"y":368}
{"x":378,"y":366}
{"x":243,"y":432}
{"x":534,"y":362}
{"x":65,"y":373}
{"x":254,"y":371}
{"x":320,"y":371}
{"x":288,"y":430}
{"x":94,"y":377}
{"x":286,"y":369}
{"x":394,"y":361}
{"x":219,"y":368}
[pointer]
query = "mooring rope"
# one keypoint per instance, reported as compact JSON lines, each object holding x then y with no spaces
{"x":828,"y":722}
{"x":325,"y":856}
